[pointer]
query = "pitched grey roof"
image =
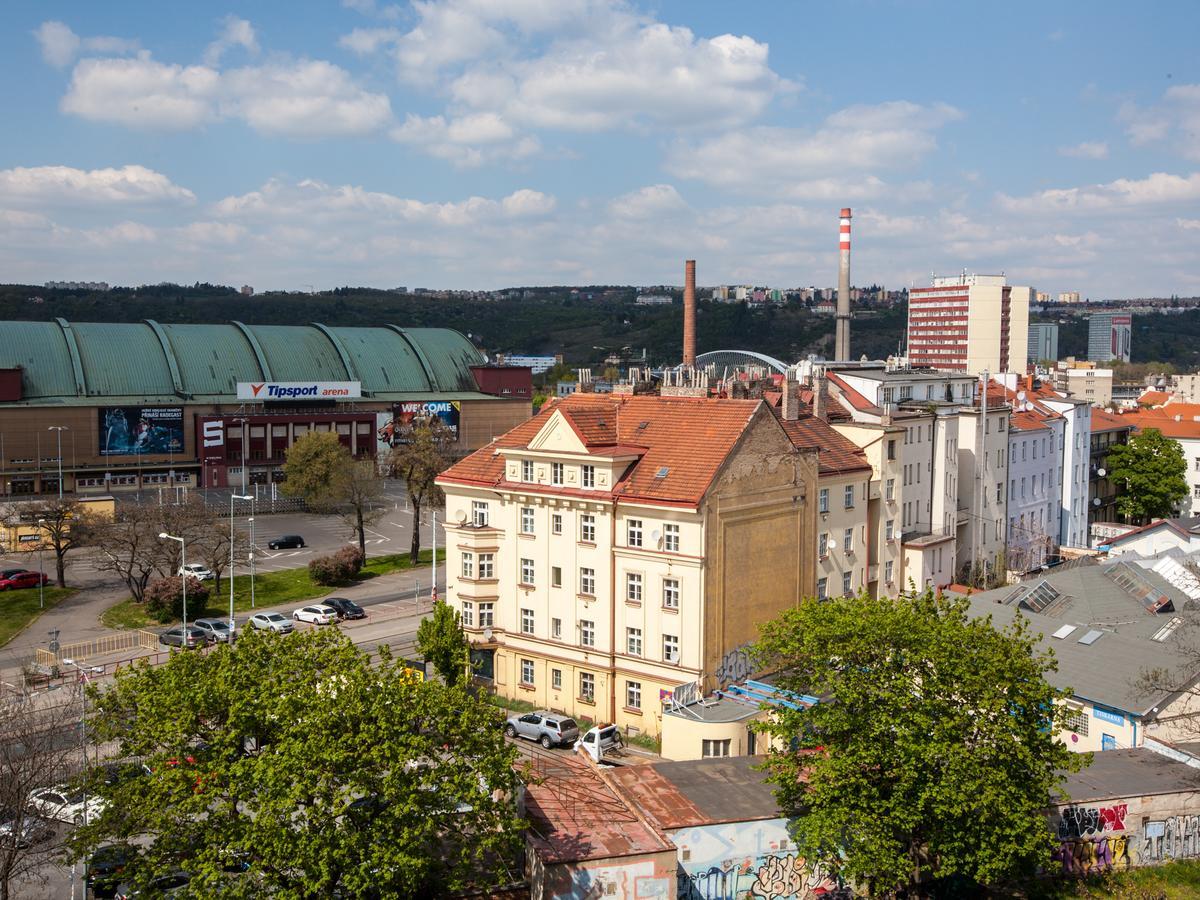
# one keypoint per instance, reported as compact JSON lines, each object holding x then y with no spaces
{"x":1130,"y":773}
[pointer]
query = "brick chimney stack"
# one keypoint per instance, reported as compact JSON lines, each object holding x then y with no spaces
{"x":689,"y":313}
{"x":791,"y":397}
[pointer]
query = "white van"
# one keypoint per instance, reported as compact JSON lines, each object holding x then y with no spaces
{"x":601,"y":741}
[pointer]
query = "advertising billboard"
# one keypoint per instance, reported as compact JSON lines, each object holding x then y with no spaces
{"x":299,"y":390}
{"x":138,"y":430}
{"x":397,"y":427}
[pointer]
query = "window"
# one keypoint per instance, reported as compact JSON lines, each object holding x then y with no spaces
{"x":527,"y":470}
{"x":1077,"y":722}
{"x":822,"y":588}
{"x":589,"y":476}
{"x":468,"y":614}
{"x":556,"y":523}
{"x":633,"y":532}
{"x":999,"y":491}
{"x":848,"y":540}
{"x":888,"y":568}
{"x":587,"y":687}
{"x":671,"y":538}
{"x":889,"y":529}
{"x":587,"y":582}
{"x":587,"y":633}
{"x":671,"y":593}
{"x":527,"y":621}
{"x":1196,"y":491}
{"x":846,"y":578}
{"x":711,"y":749}
{"x":633,"y":587}
{"x":556,"y":679}
{"x":556,"y":576}
{"x":1002,"y":424}
{"x":823,"y":500}
{"x":479,"y":513}
{"x":556,"y":473}
{"x":671,"y":648}
{"x":587,"y":528}
{"x":822,"y":545}
{"x":889,"y":490}
{"x":487,"y":613}
{"x":527,"y":571}
{"x":468,"y":565}
{"x":633,"y":694}
{"x":527,"y":671}
{"x":849,"y":497}
{"x":526,"y":520}
{"x":556,"y":629}
{"x":633,"y":641}
{"x":487,"y":565}
{"x":891,"y":449}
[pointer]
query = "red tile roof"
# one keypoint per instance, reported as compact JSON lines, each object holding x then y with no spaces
{"x":1186,"y":428}
{"x":685,"y":438}
{"x":1028,"y":420}
{"x":1103,"y":420}
{"x":838,"y":454}
{"x":1153,"y":398}
{"x":853,"y":397}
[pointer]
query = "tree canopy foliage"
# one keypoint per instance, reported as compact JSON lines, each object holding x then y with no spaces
{"x":932,"y":752}
{"x":441,"y":641}
{"x":419,"y":462}
{"x":321,"y":471}
{"x":326,"y":775}
{"x":1151,"y":471}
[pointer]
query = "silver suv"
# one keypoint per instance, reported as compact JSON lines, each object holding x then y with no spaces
{"x":547,"y":728}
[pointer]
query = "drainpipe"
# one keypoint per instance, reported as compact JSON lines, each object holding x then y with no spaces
{"x":612,"y":614}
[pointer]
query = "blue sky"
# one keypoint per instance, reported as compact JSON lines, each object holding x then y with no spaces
{"x":478,"y":143}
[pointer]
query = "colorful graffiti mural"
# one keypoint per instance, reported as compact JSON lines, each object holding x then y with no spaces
{"x":1091,"y":839}
{"x":1176,"y":837}
{"x":747,"y":860}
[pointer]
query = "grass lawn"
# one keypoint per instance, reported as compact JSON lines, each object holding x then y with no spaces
{"x":19,"y":608}
{"x":1173,"y":881}
{"x":270,"y":589}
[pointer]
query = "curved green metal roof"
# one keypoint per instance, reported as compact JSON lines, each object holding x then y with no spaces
{"x":92,"y":362}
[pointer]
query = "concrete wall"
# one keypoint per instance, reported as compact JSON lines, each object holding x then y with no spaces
{"x":646,"y":876}
{"x":683,"y":737}
{"x":1126,"y":832}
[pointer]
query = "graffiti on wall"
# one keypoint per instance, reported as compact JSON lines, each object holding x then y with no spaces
{"x":636,"y":879}
{"x":1177,"y":837}
{"x":735,"y":666}
{"x":1091,"y":839}
{"x":747,"y":859}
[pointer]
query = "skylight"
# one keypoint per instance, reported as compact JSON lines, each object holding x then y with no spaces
{"x":662,"y":472}
{"x":1064,"y":632}
{"x":1091,"y":637}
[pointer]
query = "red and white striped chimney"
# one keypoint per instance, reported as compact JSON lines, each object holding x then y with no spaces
{"x":841,"y":343}
{"x":689,"y":312}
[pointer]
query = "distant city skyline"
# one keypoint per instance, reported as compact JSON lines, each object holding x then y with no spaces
{"x":466,"y":144}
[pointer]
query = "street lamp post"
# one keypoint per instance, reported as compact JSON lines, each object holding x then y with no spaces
{"x":41,"y":568}
{"x":183,"y":580}
{"x":60,"y":429}
{"x":232,"y":497}
{"x":251,"y":560}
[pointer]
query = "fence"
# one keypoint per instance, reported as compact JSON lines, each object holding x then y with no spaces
{"x":99,"y":646}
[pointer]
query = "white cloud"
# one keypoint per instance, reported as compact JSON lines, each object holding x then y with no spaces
{"x":467,"y":141}
{"x":235,"y":32}
{"x":373,"y":9}
{"x":365,"y":41}
{"x":1175,"y":118}
{"x":142,"y":93}
{"x":1188,"y":224}
{"x":1156,"y":189}
{"x":652,"y":200}
{"x":1086,"y":150}
{"x":60,"y":44}
{"x":63,"y":185}
{"x":835,"y":159}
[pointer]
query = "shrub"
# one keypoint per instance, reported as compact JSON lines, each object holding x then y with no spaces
{"x":164,"y":597}
{"x":337,"y":568}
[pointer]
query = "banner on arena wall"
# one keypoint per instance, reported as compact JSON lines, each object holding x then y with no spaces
{"x":406,"y":417}
{"x":140,"y":430}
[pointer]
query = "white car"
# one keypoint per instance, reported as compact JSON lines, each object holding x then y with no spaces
{"x":66,"y":804}
{"x":271,"y":621}
{"x":197,"y":570}
{"x":316,"y":615}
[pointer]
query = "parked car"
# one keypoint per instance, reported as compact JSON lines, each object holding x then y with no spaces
{"x":9,"y":573}
{"x":65,"y":803}
{"x":547,"y":728}
{"x":216,"y":631}
{"x":31,"y":830}
{"x":197,"y":570}
{"x":346,"y":609}
{"x":316,"y":615}
{"x":160,"y":886}
{"x":175,"y":637}
{"x":271,"y":621}
{"x":22,"y":580}
{"x":286,"y":542}
{"x":106,"y":867}
{"x":601,"y":740}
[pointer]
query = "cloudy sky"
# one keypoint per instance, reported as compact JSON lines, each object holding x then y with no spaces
{"x":483,"y":143}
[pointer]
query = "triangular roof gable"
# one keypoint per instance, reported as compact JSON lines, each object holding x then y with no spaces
{"x":559,"y":435}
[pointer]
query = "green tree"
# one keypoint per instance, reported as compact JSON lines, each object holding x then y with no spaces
{"x":932,"y":752}
{"x":419,"y":463}
{"x":327,"y":775}
{"x":441,"y":641}
{"x":311,"y":467}
{"x":1151,"y":472}
{"x":65,"y":526}
{"x":357,"y":490}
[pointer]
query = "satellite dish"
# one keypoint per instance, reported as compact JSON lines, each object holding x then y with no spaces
{"x":1021,"y":396}
{"x":1095,"y":501}
{"x":462,"y":517}
{"x":655,"y":535}
{"x":1101,"y":473}
{"x":487,"y":634}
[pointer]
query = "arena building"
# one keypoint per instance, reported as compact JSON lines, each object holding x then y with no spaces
{"x":148,"y":405}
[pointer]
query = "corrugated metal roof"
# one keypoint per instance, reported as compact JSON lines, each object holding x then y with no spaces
{"x":127,"y":362}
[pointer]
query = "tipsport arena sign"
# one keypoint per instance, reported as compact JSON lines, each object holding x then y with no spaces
{"x":299,"y":390}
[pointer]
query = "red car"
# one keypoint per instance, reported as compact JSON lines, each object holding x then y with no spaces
{"x":21,"y":580}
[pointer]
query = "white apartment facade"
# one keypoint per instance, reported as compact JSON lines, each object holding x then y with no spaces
{"x":1035,"y":441}
{"x":969,"y":323}
{"x":1075,"y":466}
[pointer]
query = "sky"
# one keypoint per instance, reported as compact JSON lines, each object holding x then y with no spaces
{"x":485,"y":144}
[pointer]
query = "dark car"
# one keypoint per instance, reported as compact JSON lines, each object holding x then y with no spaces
{"x":9,"y":573}
{"x":346,"y":609}
{"x":160,"y":886}
{"x":106,"y":867}
{"x":22,"y":580}
{"x":174,"y":637}
{"x":286,"y":542}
